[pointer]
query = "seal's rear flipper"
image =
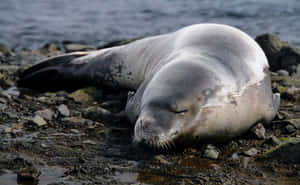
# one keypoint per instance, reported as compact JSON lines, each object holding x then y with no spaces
{"x":53,"y":74}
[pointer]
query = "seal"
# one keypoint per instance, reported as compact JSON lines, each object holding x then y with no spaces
{"x":204,"y":82}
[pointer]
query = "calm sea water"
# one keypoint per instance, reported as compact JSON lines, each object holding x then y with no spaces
{"x":31,"y":24}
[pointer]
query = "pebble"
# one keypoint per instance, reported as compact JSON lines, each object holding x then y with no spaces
{"x":290,"y":129}
{"x":161,"y":159}
{"x":211,"y":152}
{"x":74,"y":131}
{"x":63,"y":110}
{"x":28,"y":174}
{"x":39,"y":121}
{"x":259,"y":131}
{"x":283,"y":72}
{"x":251,"y":152}
{"x":90,"y":142}
{"x":46,"y":114}
{"x":3,"y":107}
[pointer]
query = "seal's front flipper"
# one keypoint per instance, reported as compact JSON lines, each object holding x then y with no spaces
{"x":53,"y":74}
{"x":273,"y":108}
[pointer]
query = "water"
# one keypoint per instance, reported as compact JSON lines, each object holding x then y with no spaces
{"x":31,"y":24}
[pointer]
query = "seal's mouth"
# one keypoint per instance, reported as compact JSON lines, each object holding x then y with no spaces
{"x":155,"y":143}
{"x":154,"y":137}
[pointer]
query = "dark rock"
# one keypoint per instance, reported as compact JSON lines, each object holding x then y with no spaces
{"x":28,"y":174}
{"x":271,"y":45}
{"x":288,"y":151}
{"x":282,"y":72}
{"x":290,"y":129}
{"x":289,"y":58}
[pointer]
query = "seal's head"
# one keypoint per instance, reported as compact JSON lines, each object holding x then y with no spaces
{"x":171,"y":103}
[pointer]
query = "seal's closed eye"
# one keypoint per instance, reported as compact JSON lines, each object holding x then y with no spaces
{"x":178,"y":109}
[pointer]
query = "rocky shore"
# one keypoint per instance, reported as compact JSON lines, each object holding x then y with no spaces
{"x":82,"y":137}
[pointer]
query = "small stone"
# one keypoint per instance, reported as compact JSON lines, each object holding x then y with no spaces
{"x":43,"y":145}
{"x":74,"y":120}
{"x":251,"y":152}
{"x":211,"y":152}
{"x":259,"y":131}
{"x":294,"y":122}
{"x":74,"y":131}
{"x":245,"y":161}
{"x":47,"y":114}
{"x":290,"y":129}
{"x":95,"y":113}
{"x":3,"y":107}
{"x":2,"y":100}
{"x":8,"y":130}
{"x":13,"y":91}
{"x":161,"y":159}
{"x":282,"y":72}
{"x":235,"y":156}
{"x":28,"y":174}
{"x":39,"y":121}
{"x":12,"y":115}
{"x":63,"y":110}
{"x":90,"y":142}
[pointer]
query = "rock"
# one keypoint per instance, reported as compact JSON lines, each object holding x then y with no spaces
{"x":5,"y":50}
{"x":294,"y":122}
{"x":3,"y":107}
{"x":290,"y":129}
{"x":83,"y":95}
{"x":28,"y":174}
{"x":282,"y":72}
{"x":111,"y":103}
{"x":288,"y":151}
{"x":271,"y":45}
{"x":72,"y":47}
{"x":259,"y":131}
{"x":13,"y":91}
{"x":289,"y":58}
{"x":8,"y":130}
{"x":74,"y":120}
{"x":39,"y":121}
{"x":161,"y":159}
{"x":251,"y":152}
{"x":211,"y":152}
{"x":74,"y":131}
{"x":95,"y":113}
{"x":46,"y":114}
{"x":63,"y":110}
{"x":90,"y":142}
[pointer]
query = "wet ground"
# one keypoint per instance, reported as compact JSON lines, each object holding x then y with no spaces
{"x":83,"y":138}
